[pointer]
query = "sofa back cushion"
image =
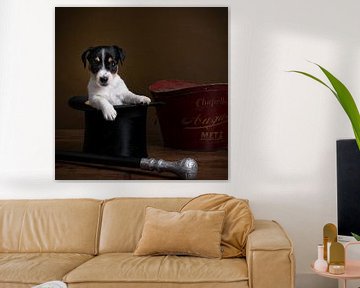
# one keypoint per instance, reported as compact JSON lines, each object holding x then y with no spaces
{"x":67,"y":226}
{"x":123,"y":220}
{"x":238,"y":224}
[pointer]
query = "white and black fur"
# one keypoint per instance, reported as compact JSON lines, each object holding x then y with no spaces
{"x":105,"y":87}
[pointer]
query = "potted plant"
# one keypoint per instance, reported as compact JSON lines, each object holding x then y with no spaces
{"x":344,"y":97}
{"x":349,"y":181}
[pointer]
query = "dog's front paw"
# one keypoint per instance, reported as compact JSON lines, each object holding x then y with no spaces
{"x":109,"y":113}
{"x":144,"y":100}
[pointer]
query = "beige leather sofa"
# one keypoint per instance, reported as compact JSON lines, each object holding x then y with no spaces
{"x":89,"y":243}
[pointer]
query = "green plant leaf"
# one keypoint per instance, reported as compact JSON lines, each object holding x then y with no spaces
{"x":347,"y":102}
{"x":357,"y":237}
{"x":344,"y":97}
{"x":357,"y":137}
{"x":316,"y":79}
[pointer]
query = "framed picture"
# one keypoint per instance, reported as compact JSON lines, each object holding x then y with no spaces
{"x":141,"y":93}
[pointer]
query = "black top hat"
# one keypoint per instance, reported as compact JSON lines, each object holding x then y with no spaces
{"x":125,"y":136}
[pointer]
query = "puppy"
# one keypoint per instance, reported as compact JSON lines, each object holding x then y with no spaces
{"x":105,"y":87}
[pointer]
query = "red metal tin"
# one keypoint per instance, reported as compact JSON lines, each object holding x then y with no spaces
{"x":195,"y":116}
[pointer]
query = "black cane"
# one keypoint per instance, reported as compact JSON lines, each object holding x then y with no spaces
{"x":185,"y":168}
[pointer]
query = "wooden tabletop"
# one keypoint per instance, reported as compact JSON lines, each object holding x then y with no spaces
{"x":212,"y":165}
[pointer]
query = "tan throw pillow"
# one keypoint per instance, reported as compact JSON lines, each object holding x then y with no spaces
{"x":196,"y":233}
{"x":239,"y":221}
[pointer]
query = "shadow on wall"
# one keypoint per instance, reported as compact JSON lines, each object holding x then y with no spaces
{"x":160,"y":43}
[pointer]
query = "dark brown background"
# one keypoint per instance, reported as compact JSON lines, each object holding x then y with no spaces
{"x":160,"y":43}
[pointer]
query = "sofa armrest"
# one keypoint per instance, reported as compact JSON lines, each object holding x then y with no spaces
{"x":269,"y":256}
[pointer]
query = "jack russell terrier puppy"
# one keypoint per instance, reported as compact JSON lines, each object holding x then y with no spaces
{"x":105,"y":87}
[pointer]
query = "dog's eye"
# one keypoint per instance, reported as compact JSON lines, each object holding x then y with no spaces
{"x":113,"y":63}
{"x":97,"y":59}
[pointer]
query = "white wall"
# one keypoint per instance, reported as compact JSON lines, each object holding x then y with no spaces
{"x":283,"y":126}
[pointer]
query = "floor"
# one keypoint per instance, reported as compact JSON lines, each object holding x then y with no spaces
{"x":212,"y":165}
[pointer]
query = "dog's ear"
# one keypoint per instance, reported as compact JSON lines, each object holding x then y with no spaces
{"x":120,"y":54}
{"x":85,"y":54}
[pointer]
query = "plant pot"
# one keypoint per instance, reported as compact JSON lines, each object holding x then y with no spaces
{"x":348,"y":187}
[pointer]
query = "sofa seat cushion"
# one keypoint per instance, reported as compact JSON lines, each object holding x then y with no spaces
{"x":36,"y":268}
{"x":125,"y":267}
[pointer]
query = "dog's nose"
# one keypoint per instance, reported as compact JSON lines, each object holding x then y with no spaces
{"x":103,"y":79}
